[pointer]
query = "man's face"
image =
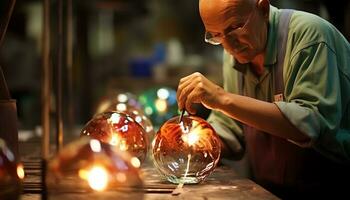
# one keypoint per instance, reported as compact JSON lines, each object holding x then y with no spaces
{"x":238,"y":25}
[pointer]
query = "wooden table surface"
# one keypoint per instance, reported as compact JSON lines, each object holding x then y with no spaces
{"x":222,"y":184}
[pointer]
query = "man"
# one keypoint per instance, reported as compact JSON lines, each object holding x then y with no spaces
{"x":286,"y":86}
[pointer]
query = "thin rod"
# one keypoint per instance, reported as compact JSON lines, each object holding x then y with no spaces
{"x":59,"y":123}
{"x":70,"y":64}
{"x":6,"y":20}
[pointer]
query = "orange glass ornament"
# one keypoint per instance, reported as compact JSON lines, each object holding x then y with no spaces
{"x":90,"y":169}
{"x":187,"y":151}
{"x":119,"y":130}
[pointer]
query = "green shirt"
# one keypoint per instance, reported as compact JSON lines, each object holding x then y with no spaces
{"x":316,"y":76}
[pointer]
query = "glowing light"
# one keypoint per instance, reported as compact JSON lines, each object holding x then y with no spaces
{"x":148,"y":110}
{"x":20,"y":171}
{"x":190,"y":138}
{"x":103,"y":106}
{"x":121,"y":177}
{"x":98,"y":178}
{"x":161,"y":105}
{"x":83,"y":174}
{"x":163,"y":93}
{"x":115,"y":118}
{"x":95,"y":145}
{"x":114,"y":139}
{"x":135,"y":162}
{"x":138,"y":119}
{"x":121,"y":107}
{"x":123,"y":146}
{"x":122,"y":98}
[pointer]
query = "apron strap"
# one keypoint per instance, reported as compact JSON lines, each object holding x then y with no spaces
{"x":282,"y":36}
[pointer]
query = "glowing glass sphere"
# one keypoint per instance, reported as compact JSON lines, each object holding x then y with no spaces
{"x":11,"y":174}
{"x":159,"y":104}
{"x":119,"y":130}
{"x":126,"y":103}
{"x":88,"y":168}
{"x":186,"y":152}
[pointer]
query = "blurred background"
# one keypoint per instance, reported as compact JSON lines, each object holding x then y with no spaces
{"x":116,"y":46}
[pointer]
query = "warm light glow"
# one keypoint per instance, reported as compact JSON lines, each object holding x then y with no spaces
{"x":163,"y":93}
{"x":95,"y":145}
{"x":121,"y":107}
{"x":114,"y":119}
{"x":20,"y":171}
{"x":98,"y":178}
{"x":121,"y":177}
{"x":161,"y":105}
{"x":123,"y":146}
{"x":83,"y":174}
{"x":135,"y":162}
{"x":114,"y":139}
{"x":122,"y":98}
{"x":103,"y":106}
{"x":190,"y":138}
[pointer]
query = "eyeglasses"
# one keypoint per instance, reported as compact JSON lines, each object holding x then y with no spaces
{"x":216,"y":39}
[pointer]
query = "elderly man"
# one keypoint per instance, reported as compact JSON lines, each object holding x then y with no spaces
{"x":286,"y":93}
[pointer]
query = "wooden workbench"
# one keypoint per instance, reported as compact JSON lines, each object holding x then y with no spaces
{"x":222,"y":184}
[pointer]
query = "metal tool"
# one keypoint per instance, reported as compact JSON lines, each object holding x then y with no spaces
{"x":182,"y":115}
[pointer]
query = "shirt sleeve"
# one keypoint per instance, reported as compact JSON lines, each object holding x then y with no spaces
{"x":313,"y":99}
{"x":229,"y":130}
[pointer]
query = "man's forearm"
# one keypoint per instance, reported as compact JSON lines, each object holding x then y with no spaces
{"x":261,"y":115}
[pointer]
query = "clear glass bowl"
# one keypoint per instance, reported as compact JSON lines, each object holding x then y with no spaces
{"x":90,"y":169}
{"x":11,"y":174}
{"x":186,"y":152}
{"x":119,"y":130}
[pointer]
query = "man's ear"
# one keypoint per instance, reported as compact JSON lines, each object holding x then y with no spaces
{"x":264,"y":7}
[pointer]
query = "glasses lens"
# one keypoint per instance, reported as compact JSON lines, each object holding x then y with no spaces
{"x":209,"y":38}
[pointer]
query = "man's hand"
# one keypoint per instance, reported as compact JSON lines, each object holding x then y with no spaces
{"x":196,"y":88}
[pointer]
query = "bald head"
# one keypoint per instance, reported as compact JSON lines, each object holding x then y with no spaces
{"x":214,"y":11}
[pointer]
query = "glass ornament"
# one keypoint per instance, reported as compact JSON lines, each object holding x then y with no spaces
{"x":187,"y":151}
{"x":88,"y":169}
{"x":11,"y":174}
{"x":126,"y":103}
{"x":159,"y":104}
{"x":119,"y":130}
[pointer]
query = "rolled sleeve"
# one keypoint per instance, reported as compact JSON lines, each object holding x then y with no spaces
{"x":303,"y":119}
{"x":313,"y":99}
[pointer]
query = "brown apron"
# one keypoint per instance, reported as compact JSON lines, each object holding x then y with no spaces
{"x":287,"y":170}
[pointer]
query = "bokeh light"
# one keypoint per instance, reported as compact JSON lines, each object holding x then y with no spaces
{"x":87,"y":168}
{"x":11,"y":174}
{"x":159,"y":104}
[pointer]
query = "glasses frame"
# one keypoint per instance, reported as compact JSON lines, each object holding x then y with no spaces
{"x":217,"y":40}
